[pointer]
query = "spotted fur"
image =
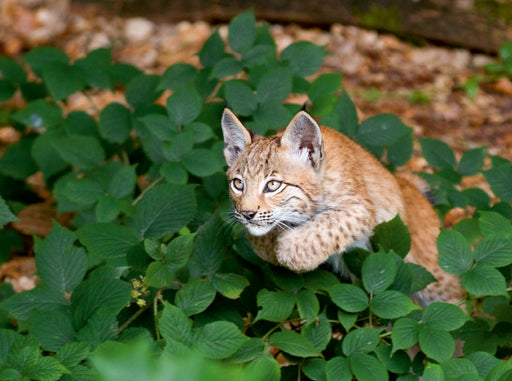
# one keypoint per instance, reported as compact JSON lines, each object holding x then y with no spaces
{"x":308,"y":194}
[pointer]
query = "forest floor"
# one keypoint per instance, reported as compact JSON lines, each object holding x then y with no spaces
{"x":431,"y":88}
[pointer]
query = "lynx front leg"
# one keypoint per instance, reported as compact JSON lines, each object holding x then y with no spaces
{"x":305,"y":247}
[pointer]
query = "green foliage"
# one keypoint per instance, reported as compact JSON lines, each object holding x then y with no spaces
{"x":152,"y":282}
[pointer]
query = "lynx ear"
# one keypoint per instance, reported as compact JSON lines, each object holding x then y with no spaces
{"x":304,"y":139}
{"x":236,"y":136}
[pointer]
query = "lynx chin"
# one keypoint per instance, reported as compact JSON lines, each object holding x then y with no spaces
{"x":308,"y":194}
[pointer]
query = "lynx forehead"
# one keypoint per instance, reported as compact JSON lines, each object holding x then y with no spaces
{"x":308,"y":194}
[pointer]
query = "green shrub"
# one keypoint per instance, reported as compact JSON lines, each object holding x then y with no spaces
{"x":150,"y":281}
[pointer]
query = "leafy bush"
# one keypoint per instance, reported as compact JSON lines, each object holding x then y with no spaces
{"x":153,"y":277}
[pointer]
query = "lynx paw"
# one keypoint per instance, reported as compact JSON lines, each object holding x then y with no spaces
{"x":295,"y":254}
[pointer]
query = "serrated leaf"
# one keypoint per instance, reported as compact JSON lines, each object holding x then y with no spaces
{"x":115,"y":122}
{"x":455,"y":255}
{"x":420,"y":277}
{"x":304,"y":57}
{"x":319,"y":280}
{"x":201,"y":131}
{"x":444,"y":316}
{"x":212,"y":50}
{"x":484,"y":362}
{"x":367,"y":368}
{"x":438,"y":153}
{"x":123,"y":182}
{"x":41,"y":56}
{"x":72,"y":354}
{"x":267,"y":367}
{"x":83,"y":152}
{"x":174,"y":324}
{"x":176,"y":76}
{"x":229,"y":285}
{"x":179,"y":250}
{"x":338,"y":369}
{"x":500,"y":180}
{"x":107,"y":241}
{"x":20,"y":305}
{"x":99,"y":328}
{"x":347,"y":320}
{"x":62,"y":80}
{"x":472,"y":162}
{"x":60,"y":265}
{"x":433,"y":372}
{"x":142,"y":90}
{"x":293,"y":343}
{"x":349,"y":297}
{"x":404,"y":334}
{"x":179,"y":145}
{"x":308,"y":305}
{"x":82,"y":191}
{"x":218,"y":340}
{"x":184,"y":105}
{"x":391,"y":305}
{"x":201,"y":162}
{"x":393,"y":235}
{"x":242,"y":31}
{"x":319,"y":333}
{"x":195,"y":296}
{"x":47,"y":159}
{"x":361,"y":340}
{"x":240,"y":97}
{"x":271,"y":116}
{"x":494,"y":223}
{"x":12,"y":71}
{"x":381,"y":130}
{"x":347,"y":114}
{"x":159,"y":274}
{"x":454,"y":368}
{"x":275,"y":306}
{"x":274,"y":86}
{"x":95,"y":68}
{"x":398,"y":362}
{"x":80,"y":123}
{"x":6,"y":215}
{"x":436,"y":343}
{"x":494,"y":281}
{"x":494,"y":250}
{"x":378,"y":272}
{"x":174,"y":172}
{"x":250,"y":349}
{"x":210,"y":245}
{"x":16,"y":161}
{"x":164,"y":209}
{"x":38,"y":114}
{"x":52,"y":328}
{"x":328,"y":83}
{"x":400,"y":152}
{"x":226,"y":67}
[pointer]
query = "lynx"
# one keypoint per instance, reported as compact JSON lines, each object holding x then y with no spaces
{"x":308,"y":194}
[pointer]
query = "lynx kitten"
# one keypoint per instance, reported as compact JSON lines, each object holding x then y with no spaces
{"x":308,"y":194}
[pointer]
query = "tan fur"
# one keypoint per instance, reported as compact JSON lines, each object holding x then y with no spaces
{"x":332,"y":195}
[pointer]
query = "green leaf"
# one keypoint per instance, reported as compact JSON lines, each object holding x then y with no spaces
{"x":108,"y":241}
{"x":404,"y":334}
{"x":319,"y":333}
{"x":218,"y":340}
{"x":179,"y":146}
{"x":494,"y":223}
{"x":328,"y":83}
{"x":420,"y":277}
{"x":160,"y":126}
{"x":82,"y":191}
{"x":6,"y":215}
{"x":240,"y":97}
{"x":494,"y":250}
{"x":362,"y":340}
{"x":80,"y":123}
{"x":123,"y":73}
{"x":494,"y":281}
{"x":293,"y":343}
{"x":123,"y":182}
{"x":271,"y":116}
{"x":95,"y":68}
{"x":7,"y":90}
{"x":378,"y":272}
{"x":226,"y":67}
{"x":274,"y":86}
{"x":436,"y":343}
{"x":12,"y":71}
{"x":159,"y":274}
{"x":484,"y":362}
{"x":62,"y":80}
{"x":319,"y":280}
{"x":201,"y":162}
{"x":367,"y":368}
{"x":349,"y":297}
{"x":99,"y":328}
{"x":176,"y":76}
{"x":397,"y":363}
{"x":433,"y":372}
{"x":60,"y":265}
{"x":184,"y":105}
{"x":455,"y":368}
{"x":250,"y":349}
{"x":242,"y":32}
{"x":41,"y":56}
{"x":347,"y":320}
{"x":179,"y":250}
{"x":20,"y":305}
{"x":210,"y":246}
{"x":52,"y":328}
{"x":438,"y":153}
{"x":202,"y":132}
{"x":391,"y":305}
{"x":175,"y":325}
{"x":400,"y":152}
{"x":314,"y":368}
{"x":174,"y":172}
{"x":195,"y":296}
{"x":500,"y":180}
{"x":347,"y":114}
{"x":16,"y":160}
{"x":229,"y":285}
{"x":275,"y":306}
{"x":83,"y":152}
{"x":38,"y":114}
{"x":381,"y":130}
{"x":455,"y":255}
{"x":142,"y":90}
{"x":308,"y":305}
{"x":338,"y":369}
{"x":72,"y":354}
{"x":46,"y":157}
{"x":444,"y":316}
{"x":393,"y":235}
{"x":212,"y":50}
{"x":267,"y":367}
{"x":164,"y":209}
{"x":115,"y":122}
{"x":472,"y":162}
{"x":304,"y":57}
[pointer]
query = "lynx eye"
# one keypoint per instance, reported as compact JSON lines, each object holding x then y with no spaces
{"x":237,"y":184}
{"x":272,"y":186}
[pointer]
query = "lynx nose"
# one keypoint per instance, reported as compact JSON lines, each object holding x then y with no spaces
{"x":249,"y":214}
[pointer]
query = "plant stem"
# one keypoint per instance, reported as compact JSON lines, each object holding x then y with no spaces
{"x":139,"y":197}
{"x":132,"y":318}
{"x":158,"y":297}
